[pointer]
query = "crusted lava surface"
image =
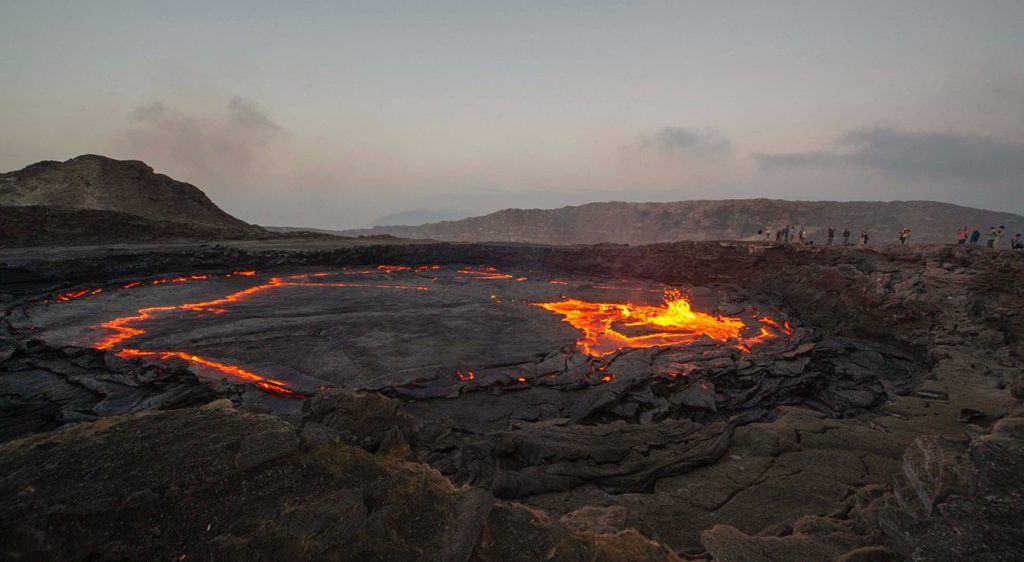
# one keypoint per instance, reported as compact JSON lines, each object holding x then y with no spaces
{"x":621,"y":402}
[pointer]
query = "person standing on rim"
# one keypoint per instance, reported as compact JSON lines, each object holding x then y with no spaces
{"x":962,"y":235}
{"x":975,"y":236}
{"x":863,"y":238}
{"x":904,"y":236}
{"x":999,"y":236}
{"x":990,"y":242}
{"x":846,"y":237}
{"x":831,"y":235}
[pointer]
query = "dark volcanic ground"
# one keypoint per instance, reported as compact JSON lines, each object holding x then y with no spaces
{"x":808,"y":445}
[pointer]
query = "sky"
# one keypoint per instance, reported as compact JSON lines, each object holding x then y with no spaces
{"x":332,"y":114}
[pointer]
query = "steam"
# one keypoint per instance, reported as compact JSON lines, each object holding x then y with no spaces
{"x":224,"y":149}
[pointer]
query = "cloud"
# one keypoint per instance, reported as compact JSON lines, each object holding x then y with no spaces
{"x":796,"y":159}
{"x":248,"y":114}
{"x":681,"y":140}
{"x":224,"y":148}
{"x":912,"y":155}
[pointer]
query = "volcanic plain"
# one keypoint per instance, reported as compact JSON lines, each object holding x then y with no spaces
{"x":727,"y":401}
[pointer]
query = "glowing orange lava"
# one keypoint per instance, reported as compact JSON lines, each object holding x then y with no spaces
{"x":126,"y":327}
{"x":72,"y":295}
{"x":485,"y":273}
{"x":672,"y":323}
{"x":270,"y":385}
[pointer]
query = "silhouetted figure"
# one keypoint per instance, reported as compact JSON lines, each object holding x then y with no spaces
{"x":863,"y":238}
{"x":904,"y":236}
{"x":846,"y":237}
{"x":801,"y":235}
{"x":831,"y":235}
{"x":1016,"y":243}
{"x":778,"y":235}
{"x":975,"y":236}
{"x":961,"y":236}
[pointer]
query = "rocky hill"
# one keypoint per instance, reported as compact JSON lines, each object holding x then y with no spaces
{"x":93,"y":198}
{"x":642,"y":223}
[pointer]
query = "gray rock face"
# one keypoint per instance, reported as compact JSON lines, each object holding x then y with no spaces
{"x":101,"y":183}
{"x":94,"y":199}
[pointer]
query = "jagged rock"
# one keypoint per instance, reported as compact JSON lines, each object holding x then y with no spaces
{"x":600,"y":520}
{"x":727,"y":544}
{"x":551,"y":456}
{"x":869,"y":554}
{"x":44,"y":387}
{"x":361,"y":419}
{"x":934,"y":469}
{"x":243,"y":489}
{"x":975,"y":496}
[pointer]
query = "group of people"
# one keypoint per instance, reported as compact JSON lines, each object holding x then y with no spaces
{"x":994,"y":239}
{"x":788,"y":235}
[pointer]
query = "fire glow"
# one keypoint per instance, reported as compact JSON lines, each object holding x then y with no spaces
{"x":672,"y":323}
{"x":121,"y":329}
{"x":487,"y":273}
{"x":74,"y":295}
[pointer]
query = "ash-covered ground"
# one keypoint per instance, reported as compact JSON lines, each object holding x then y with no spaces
{"x":440,"y":401}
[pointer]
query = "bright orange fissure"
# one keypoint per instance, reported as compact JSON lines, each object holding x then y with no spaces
{"x":125,"y":328}
{"x":672,"y":323}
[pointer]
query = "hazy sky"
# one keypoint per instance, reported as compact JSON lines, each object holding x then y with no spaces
{"x":331,"y":114}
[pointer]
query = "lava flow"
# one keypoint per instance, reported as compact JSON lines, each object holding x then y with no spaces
{"x":673,"y":323}
{"x":72,"y":295}
{"x":270,"y":385}
{"x":486,"y":273}
{"x":126,"y":327}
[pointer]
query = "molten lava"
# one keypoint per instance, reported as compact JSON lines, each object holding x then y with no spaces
{"x":486,"y":273}
{"x":270,"y":385}
{"x":72,"y":295}
{"x":127,"y":327}
{"x":673,"y":323}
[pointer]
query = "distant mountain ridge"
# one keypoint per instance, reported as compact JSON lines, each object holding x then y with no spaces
{"x":417,"y":217}
{"x":739,"y":219}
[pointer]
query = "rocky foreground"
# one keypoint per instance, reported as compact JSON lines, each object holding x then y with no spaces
{"x":824,"y":453}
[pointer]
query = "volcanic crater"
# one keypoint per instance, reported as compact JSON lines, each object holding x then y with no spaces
{"x":704,"y":395}
{"x":484,"y":349}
